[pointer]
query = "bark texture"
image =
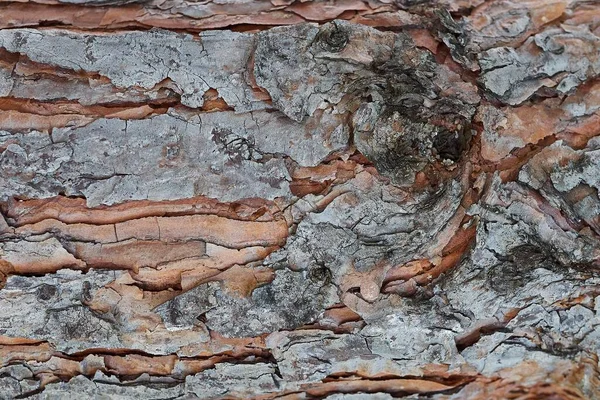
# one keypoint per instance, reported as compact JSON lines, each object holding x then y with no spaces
{"x":337,"y":199}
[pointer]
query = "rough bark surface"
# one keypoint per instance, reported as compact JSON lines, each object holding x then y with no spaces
{"x":339,"y":199}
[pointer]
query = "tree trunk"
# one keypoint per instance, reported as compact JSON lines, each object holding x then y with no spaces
{"x":300,"y":199}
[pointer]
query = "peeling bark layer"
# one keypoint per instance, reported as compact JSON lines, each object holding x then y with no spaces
{"x":278,"y":199}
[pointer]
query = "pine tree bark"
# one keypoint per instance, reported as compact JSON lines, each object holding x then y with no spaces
{"x":339,"y":199}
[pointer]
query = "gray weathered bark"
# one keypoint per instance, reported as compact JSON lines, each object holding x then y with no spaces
{"x":343,"y":200}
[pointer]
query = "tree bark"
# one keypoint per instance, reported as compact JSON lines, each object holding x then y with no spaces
{"x":339,"y":199}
